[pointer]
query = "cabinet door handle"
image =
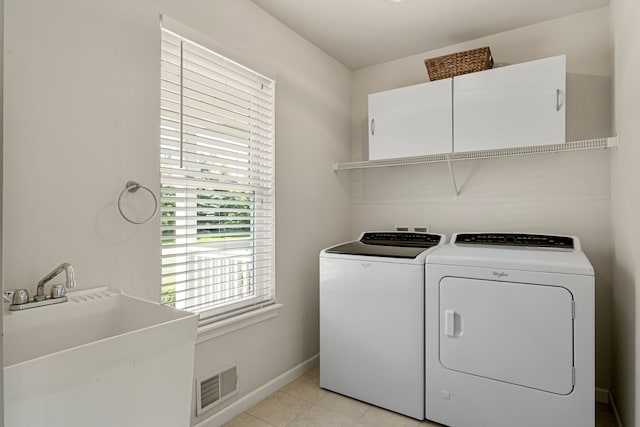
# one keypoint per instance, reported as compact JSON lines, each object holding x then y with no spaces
{"x":373,"y":127}
{"x":558,"y":100}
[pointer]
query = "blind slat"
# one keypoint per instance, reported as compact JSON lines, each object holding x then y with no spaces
{"x":171,"y":192}
{"x":208,"y":125}
{"x":208,"y":180}
{"x":222,"y":280}
{"x":208,"y":129}
{"x":170,"y":140}
{"x":192,"y":265}
{"x":216,"y":67}
{"x":177,"y":250}
{"x":170,"y":144}
{"x":171,"y":48}
{"x":215,"y":110}
{"x":188,"y":182}
{"x":193,"y":160}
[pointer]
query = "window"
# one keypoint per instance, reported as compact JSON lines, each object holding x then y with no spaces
{"x":217,"y":176}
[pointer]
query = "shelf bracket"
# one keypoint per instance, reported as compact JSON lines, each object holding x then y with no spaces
{"x":453,"y":177}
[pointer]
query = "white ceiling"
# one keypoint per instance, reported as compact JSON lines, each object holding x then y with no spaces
{"x":359,"y":33}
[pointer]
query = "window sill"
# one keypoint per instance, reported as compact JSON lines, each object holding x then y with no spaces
{"x":240,"y":321}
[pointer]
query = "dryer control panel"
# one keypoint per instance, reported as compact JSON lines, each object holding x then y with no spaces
{"x":516,"y":239}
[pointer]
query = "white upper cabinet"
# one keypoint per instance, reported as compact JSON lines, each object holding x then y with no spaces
{"x":411,"y":121}
{"x":514,"y":106}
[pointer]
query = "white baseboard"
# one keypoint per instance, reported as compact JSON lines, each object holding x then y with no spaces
{"x":244,"y":403}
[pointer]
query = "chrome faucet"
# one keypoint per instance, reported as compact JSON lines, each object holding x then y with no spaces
{"x":20,"y":298}
{"x":71,"y":280}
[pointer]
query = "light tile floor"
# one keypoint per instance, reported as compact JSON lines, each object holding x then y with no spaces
{"x":302,"y":403}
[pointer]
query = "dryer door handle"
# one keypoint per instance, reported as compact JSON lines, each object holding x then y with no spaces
{"x":450,"y":322}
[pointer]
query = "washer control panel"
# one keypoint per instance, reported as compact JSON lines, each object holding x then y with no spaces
{"x":400,"y":238}
{"x":515,"y":239}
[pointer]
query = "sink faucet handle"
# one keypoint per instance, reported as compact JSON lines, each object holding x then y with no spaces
{"x":57,"y":291}
{"x":20,"y":296}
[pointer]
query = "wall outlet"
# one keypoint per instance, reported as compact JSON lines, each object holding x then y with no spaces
{"x":402,"y":228}
{"x":422,"y":228}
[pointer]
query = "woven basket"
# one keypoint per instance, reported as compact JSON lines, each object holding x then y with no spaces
{"x":459,"y":63}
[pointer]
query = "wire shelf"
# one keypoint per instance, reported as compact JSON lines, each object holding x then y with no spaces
{"x":589,"y":144}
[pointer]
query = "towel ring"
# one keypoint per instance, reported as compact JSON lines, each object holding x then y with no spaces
{"x":132,"y":187}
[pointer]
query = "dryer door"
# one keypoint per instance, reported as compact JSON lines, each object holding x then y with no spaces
{"x":512,"y":332}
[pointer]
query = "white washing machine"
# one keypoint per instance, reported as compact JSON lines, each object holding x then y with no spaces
{"x":372,"y":319}
{"x":510,"y":332}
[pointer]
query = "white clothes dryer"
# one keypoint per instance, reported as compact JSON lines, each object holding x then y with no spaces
{"x":372,"y":319}
{"x":510,"y":332}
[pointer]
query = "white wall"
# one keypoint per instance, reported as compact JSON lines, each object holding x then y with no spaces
{"x":625,"y":211}
{"x":82,"y":117}
{"x":566,"y":193}
{"x":1,"y":209}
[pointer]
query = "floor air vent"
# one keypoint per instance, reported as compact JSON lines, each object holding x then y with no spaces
{"x":216,"y":388}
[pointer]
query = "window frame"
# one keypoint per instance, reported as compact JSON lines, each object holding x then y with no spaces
{"x":267,"y":294}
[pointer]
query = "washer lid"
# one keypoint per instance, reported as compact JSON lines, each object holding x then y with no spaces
{"x":391,"y":244}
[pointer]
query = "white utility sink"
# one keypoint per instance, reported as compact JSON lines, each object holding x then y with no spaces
{"x":102,"y":358}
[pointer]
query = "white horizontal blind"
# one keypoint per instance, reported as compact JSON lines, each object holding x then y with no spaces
{"x":217,"y":176}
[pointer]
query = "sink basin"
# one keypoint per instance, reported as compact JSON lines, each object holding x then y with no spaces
{"x":103,"y":358}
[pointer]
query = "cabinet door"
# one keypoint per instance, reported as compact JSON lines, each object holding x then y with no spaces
{"x":411,"y":121}
{"x":515,"y":106}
